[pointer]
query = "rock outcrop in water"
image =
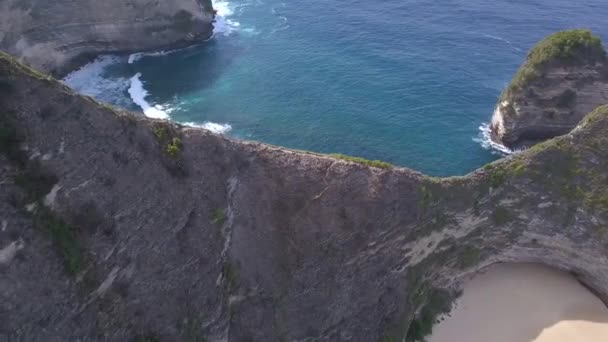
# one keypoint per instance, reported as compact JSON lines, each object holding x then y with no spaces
{"x":116,"y":227}
{"x":50,"y":35}
{"x":564,"y":77}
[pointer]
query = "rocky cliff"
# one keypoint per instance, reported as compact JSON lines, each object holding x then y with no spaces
{"x":51,"y":35}
{"x":116,"y":227}
{"x":564,"y":77}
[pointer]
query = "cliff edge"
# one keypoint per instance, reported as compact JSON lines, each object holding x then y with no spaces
{"x":52,"y":35}
{"x":565,"y":76}
{"x":115,"y":227}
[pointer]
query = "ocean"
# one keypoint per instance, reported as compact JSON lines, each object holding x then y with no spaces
{"x":410,"y":82}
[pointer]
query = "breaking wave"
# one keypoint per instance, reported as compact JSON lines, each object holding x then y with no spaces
{"x":90,"y":80}
{"x":223,"y":25}
{"x":484,"y":138}
{"x":211,"y":126}
{"x":137,"y":56}
{"x":138,"y":94}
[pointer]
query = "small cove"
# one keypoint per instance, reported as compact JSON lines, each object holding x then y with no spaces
{"x":410,"y":83}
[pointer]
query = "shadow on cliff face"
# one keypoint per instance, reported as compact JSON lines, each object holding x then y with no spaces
{"x":186,"y":72}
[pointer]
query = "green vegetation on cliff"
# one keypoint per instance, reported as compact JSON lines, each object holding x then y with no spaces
{"x":568,"y":48}
{"x":374,"y":163}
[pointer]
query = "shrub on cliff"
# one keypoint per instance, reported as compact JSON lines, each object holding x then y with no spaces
{"x":363,"y":161}
{"x":567,"y":48}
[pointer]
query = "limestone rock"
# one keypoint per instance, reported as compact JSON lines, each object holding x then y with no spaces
{"x":53,"y":35}
{"x":564,"y":77}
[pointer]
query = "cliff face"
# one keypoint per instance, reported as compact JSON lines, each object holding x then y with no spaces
{"x":50,"y":34}
{"x":117,"y":227}
{"x":564,"y":78}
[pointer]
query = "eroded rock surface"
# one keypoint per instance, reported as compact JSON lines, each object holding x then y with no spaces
{"x":50,"y":35}
{"x":564,"y":78}
{"x":143,"y":229}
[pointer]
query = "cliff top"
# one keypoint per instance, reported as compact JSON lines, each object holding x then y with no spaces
{"x":577,"y":47}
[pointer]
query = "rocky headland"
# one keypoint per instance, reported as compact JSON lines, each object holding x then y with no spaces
{"x":54,"y":36}
{"x":563,"y":78}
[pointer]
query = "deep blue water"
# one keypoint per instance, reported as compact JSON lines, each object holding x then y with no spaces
{"x":405,"y":81}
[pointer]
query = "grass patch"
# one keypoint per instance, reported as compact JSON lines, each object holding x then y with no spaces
{"x":174,"y":148}
{"x":231,"y":275}
{"x":426,"y":197}
{"x":15,"y":66}
{"x":519,"y":167}
{"x":469,"y":257}
{"x":167,"y":138}
{"x":35,"y":182}
{"x":570,"y":48}
{"x":501,"y":216}
{"x":438,"y":302}
{"x":597,"y":202}
{"x":497,"y":175}
{"x":64,"y":238}
{"x":373,"y":163}
{"x":191,"y":330}
{"x":161,"y":132}
{"x":10,"y":141}
{"x":218,"y":217}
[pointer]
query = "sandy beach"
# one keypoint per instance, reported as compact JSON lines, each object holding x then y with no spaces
{"x":524,"y":303}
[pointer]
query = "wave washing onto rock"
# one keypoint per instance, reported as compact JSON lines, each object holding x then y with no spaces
{"x":137,"y":56}
{"x":138,"y":94}
{"x":90,"y":80}
{"x":485,"y":140}
{"x":211,"y":126}
{"x":222,"y":24}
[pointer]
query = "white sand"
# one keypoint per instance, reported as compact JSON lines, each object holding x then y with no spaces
{"x":524,"y":303}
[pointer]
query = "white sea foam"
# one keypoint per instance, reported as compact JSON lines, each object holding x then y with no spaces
{"x":211,"y":126}
{"x":224,"y":25}
{"x":503,"y":40}
{"x":89,"y":80}
{"x":138,"y":95}
{"x":282,"y":23}
{"x":485,"y":139}
{"x":137,"y":56}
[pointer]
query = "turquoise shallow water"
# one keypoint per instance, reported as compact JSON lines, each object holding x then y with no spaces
{"x":406,"y":81}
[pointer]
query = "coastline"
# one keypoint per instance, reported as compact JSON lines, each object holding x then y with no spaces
{"x":83,"y":59}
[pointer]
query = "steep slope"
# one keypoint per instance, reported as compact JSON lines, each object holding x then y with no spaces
{"x":173,"y":233}
{"x":49,"y":35}
{"x":564,"y":77}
